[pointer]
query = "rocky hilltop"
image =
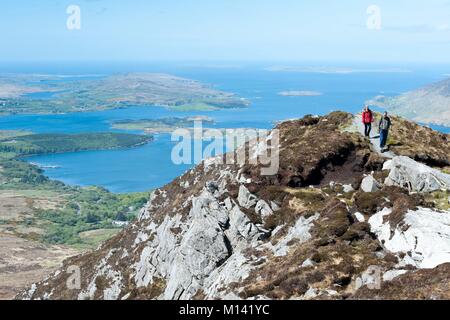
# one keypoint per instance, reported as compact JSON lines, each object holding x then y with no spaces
{"x":338,"y":221}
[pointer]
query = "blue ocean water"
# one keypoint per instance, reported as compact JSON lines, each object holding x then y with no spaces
{"x":150,"y":166}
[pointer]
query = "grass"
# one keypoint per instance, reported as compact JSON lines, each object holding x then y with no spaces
{"x":92,"y":238}
{"x":34,"y":193}
{"x":7,"y":155}
{"x":7,"y":134}
{"x":158,"y":125}
{"x":441,"y":199}
{"x":391,"y":141}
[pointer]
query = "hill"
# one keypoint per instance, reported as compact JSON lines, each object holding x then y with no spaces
{"x":337,"y":221}
{"x":430,"y":104}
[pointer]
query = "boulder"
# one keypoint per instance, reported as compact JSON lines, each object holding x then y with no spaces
{"x":422,"y":237}
{"x":245,"y":198}
{"x":359,"y":216}
{"x":300,"y":232}
{"x":241,"y":227}
{"x":415,"y":176}
{"x":262,"y":208}
{"x":369,"y":184}
{"x":348,"y":188}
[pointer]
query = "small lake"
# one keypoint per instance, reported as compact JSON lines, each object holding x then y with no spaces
{"x":150,"y":166}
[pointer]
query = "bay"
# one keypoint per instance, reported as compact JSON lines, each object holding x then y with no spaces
{"x":150,"y":166}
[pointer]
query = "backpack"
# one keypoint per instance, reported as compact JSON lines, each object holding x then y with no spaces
{"x":385,"y":123}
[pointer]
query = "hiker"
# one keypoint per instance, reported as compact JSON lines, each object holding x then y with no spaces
{"x":383,"y":126}
{"x":367,"y":119}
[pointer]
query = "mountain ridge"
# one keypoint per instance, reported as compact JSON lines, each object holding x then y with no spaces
{"x":429,"y":104}
{"x":314,"y":230}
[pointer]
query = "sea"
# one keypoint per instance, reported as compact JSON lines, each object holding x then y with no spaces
{"x":150,"y":166}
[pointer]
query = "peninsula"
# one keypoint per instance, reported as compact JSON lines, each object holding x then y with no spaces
{"x":46,"y":94}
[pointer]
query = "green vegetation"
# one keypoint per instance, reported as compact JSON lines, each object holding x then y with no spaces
{"x":19,"y":174}
{"x":195,"y":107}
{"x":440,"y":198}
{"x":71,"y":214}
{"x":89,"y":209}
{"x":55,"y":143}
{"x":163,"y":125}
{"x":6,"y":134}
{"x":48,"y":94}
{"x":92,"y":238}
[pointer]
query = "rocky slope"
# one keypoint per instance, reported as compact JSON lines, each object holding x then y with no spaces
{"x":338,"y":221}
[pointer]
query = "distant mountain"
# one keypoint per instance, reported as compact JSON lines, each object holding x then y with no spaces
{"x":430,"y":104}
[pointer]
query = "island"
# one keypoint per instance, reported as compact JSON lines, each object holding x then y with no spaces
{"x":45,"y":94}
{"x":163,"y":125}
{"x":429,"y":104}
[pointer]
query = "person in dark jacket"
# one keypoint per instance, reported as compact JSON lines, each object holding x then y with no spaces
{"x":384,"y":126}
{"x":367,"y":119}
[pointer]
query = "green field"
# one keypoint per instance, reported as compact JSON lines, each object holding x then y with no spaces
{"x":89,"y":209}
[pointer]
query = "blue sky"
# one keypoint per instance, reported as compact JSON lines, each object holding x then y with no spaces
{"x":226,"y":30}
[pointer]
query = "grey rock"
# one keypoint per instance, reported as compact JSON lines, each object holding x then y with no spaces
{"x":369,"y":184}
{"x":245,"y":198}
{"x":262,"y":208}
{"x":359,"y":216}
{"x":415,"y":176}
{"x":348,"y":188}
{"x":241,"y":226}
{"x":274,"y":206}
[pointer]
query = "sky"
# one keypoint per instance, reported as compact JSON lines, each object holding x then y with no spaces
{"x":391,"y":31}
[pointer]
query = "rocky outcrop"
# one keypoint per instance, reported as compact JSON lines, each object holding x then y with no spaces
{"x":422,"y":238}
{"x":423,"y":284}
{"x":308,"y":232}
{"x":414,"y":176}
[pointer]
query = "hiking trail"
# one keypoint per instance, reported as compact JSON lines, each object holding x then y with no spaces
{"x":374,"y":139}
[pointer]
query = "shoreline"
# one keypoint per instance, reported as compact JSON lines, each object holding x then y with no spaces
{"x":87,"y":150}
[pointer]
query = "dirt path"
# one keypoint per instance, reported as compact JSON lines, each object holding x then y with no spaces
{"x":374,"y":139}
